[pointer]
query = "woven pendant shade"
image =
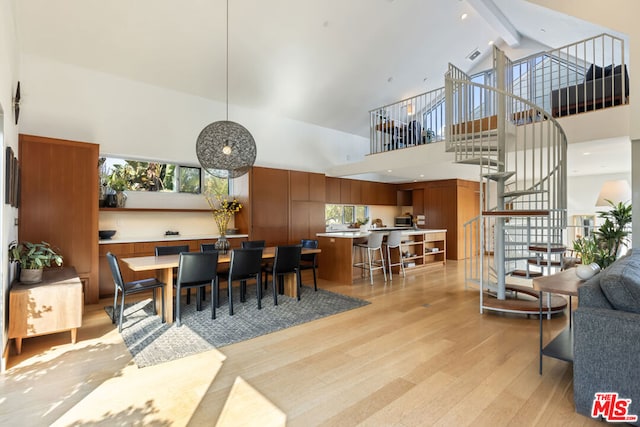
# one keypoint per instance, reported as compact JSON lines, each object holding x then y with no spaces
{"x":226,"y":149}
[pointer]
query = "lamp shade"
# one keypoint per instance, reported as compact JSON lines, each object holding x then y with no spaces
{"x":616,"y":191}
{"x":226,"y":149}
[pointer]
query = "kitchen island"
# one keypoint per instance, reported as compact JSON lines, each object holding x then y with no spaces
{"x":421,"y":248}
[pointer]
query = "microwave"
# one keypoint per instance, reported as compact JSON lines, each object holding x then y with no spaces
{"x":403,"y":221}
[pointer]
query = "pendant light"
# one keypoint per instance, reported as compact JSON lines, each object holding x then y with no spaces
{"x":224,"y":148}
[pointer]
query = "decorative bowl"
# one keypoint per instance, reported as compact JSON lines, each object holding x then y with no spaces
{"x":106,"y":234}
{"x":585,"y":272}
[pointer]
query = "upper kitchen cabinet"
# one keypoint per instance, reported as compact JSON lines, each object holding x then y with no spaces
{"x":332,"y":189}
{"x":378,"y":193}
{"x":58,"y":202}
{"x":307,"y":186}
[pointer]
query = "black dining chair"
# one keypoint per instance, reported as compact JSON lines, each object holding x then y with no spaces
{"x":266,"y":265}
{"x":287,"y":261}
{"x":222,"y":271}
{"x":245,"y":264}
{"x":197,"y":270}
{"x":174,"y":250}
{"x":131,"y":288}
{"x":310,"y":261}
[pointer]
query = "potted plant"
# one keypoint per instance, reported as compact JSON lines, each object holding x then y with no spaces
{"x":32,"y":258}
{"x":588,"y":251}
{"x":612,"y":234}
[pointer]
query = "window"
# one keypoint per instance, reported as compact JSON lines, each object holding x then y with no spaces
{"x":345,"y":214}
{"x":136,"y":175}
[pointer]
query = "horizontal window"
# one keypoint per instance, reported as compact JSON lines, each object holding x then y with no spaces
{"x":354,"y":215}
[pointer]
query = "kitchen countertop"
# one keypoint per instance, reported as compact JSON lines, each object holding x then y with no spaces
{"x":168,"y":238}
{"x":358,"y":234}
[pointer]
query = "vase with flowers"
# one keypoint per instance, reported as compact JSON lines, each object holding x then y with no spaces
{"x":223,"y":210}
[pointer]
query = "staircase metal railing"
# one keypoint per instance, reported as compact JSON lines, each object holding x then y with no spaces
{"x":521,"y":151}
{"x":412,"y":121}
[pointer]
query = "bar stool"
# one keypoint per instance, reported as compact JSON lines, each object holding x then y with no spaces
{"x":394,"y":241}
{"x":374,"y":243}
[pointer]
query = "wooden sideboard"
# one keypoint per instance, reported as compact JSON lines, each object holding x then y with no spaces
{"x":53,"y":305}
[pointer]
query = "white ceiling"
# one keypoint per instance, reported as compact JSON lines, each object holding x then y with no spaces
{"x":323,"y":62}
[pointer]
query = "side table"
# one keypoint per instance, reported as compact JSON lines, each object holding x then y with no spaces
{"x":53,"y":305}
{"x":564,"y":283}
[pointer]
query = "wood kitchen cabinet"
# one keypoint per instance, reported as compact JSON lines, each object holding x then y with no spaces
{"x":58,"y":202}
{"x":269,"y":205}
{"x":332,"y":192}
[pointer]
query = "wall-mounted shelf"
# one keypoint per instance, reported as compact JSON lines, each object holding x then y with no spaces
{"x":151,"y":210}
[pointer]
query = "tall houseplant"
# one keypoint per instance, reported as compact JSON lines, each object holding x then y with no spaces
{"x":32,"y":258}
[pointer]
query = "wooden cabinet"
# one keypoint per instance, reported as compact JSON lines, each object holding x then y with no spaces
{"x":58,"y":202}
{"x":53,"y":305}
{"x":332,"y":190}
{"x":424,"y":250}
{"x":345,"y":191}
{"x":269,"y":204}
{"x":404,"y":198}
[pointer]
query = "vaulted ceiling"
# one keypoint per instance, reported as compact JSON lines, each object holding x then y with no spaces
{"x":322,"y":62}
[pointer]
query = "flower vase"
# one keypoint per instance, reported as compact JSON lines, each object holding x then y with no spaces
{"x":222,"y":244}
{"x":121,"y":199}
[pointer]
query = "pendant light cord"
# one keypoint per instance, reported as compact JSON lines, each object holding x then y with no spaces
{"x":227,"y":61}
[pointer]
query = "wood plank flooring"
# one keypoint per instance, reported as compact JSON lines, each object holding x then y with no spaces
{"x":420,"y":354}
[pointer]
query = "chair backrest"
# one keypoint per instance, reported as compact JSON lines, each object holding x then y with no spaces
{"x":287,"y":259}
{"x":375,"y":240}
{"x":196,"y":267}
{"x":171,"y":250}
{"x":207,"y":247}
{"x":115,"y":270}
{"x":309,"y":244}
{"x":245,"y":263}
{"x":394,"y":238}
{"x":253,"y":244}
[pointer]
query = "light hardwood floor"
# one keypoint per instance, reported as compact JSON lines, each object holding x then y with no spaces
{"x":420,"y":354}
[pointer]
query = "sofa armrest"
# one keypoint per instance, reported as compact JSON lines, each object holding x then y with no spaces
{"x":606,"y":356}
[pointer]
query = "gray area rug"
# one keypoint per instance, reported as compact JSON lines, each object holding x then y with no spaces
{"x":151,"y":342}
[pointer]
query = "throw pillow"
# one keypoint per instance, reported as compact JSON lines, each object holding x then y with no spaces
{"x":621,"y":283}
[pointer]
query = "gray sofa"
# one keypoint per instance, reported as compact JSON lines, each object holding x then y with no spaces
{"x":607,"y":336}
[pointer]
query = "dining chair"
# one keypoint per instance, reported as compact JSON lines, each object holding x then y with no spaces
{"x":131,"y":288}
{"x":197,"y":270}
{"x":373,"y":246}
{"x":222,"y":271}
{"x":394,"y":241}
{"x":287,"y":261}
{"x":266,"y":265}
{"x":245,"y":264}
{"x":174,"y":250}
{"x":310,"y":261}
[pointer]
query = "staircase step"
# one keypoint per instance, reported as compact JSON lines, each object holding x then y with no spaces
{"x":544,"y":262}
{"x":548,"y":247}
{"x":499,"y":176}
{"x":517,"y":212}
{"x":518,"y":193}
{"x":523,"y":273}
{"x":480,"y":161}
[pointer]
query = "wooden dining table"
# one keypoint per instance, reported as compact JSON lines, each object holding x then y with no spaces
{"x":163,"y":266}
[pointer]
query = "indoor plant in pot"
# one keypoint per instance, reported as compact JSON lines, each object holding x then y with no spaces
{"x":32,"y":258}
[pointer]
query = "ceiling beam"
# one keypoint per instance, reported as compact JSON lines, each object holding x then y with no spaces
{"x":488,"y":10}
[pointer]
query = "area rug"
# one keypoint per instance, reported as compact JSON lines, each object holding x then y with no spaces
{"x":151,"y":342}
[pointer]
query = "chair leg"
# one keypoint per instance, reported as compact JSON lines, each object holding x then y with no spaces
{"x":389,"y":263}
{"x":243,"y":290}
{"x":155,"y":310}
{"x":259,"y":289}
{"x":199,"y":299}
{"x":121,"y":312}
{"x":115,"y":306}
{"x":275,"y":291}
{"x":215,"y":288}
{"x":178,"y":317}
{"x":315,"y":282}
{"x":404,"y":274}
{"x":230,"y":297}
{"x":162,"y":299}
{"x":370,"y":266}
{"x":298,"y":283}
{"x":188,"y":296}
{"x":384,"y":268}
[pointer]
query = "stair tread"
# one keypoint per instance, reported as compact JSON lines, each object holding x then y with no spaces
{"x":523,"y":273}
{"x":497,"y":176}
{"x":517,"y":212}
{"x":485,"y":161}
{"x":544,"y":262}
{"x":523,"y":192}
{"x":548,"y":247}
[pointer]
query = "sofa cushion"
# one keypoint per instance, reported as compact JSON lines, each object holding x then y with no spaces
{"x":621,"y":283}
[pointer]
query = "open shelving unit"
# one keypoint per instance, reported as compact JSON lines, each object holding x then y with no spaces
{"x":419,"y":250}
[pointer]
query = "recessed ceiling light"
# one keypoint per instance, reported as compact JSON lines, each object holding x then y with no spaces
{"x":463,"y":16}
{"x":490,"y":42}
{"x":586,"y":153}
{"x":421,"y":175}
{"x":389,"y":170}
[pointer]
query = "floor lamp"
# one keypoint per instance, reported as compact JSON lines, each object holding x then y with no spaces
{"x":615,"y":191}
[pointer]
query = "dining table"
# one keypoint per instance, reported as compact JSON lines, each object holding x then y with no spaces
{"x":163,"y":266}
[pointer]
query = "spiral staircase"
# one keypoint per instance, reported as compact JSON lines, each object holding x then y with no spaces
{"x":521,"y":153}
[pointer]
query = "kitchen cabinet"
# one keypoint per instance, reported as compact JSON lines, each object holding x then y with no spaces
{"x":58,"y":194}
{"x":269,"y":205}
{"x":332,"y":192}
{"x":404,"y":198}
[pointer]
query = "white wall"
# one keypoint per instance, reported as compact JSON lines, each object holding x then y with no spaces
{"x":138,"y":120}
{"x":8,"y":138}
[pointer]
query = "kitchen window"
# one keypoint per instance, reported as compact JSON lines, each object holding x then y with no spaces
{"x":345,"y":214}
